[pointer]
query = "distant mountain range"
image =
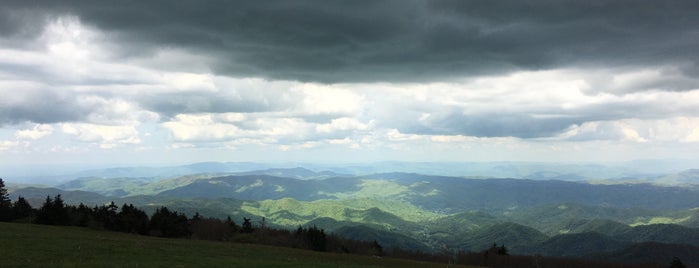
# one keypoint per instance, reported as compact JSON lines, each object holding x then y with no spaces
{"x":675,"y":172}
{"x":422,"y":212}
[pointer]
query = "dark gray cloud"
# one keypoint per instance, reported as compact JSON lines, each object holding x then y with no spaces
{"x":402,"y":40}
{"x":42,"y":106}
{"x":525,"y":122}
{"x":233,"y":101}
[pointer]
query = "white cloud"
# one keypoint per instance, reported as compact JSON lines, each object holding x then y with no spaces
{"x":279,"y":127}
{"x":342,"y":124}
{"x":340,"y":141}
{"x":395,"y":135}
{"x":693,"y":136}
{"x":450,"y":138}
{"x":37,"y":132}
{"x":201,"y":127}
{"x":676,"y":129}
{"x":67,"y":38}
{"x":9,"y":145}
{"x":189,"y":81}
{"x":105,"y":135}
{"x":321,"y":99}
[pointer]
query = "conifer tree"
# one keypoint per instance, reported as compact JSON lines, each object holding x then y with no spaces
{"x":53,"y":212}
{"x":22,"y":209}
{"x":5,"y":203}
{"x":247,"y":226}
{"x":376,"y":248}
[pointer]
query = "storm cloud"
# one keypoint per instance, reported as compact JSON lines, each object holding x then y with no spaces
{"x":380,"y":76}
{"x":367,"y":41}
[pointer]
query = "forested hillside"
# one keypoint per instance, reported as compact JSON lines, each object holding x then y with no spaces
{"x":417,"y":212}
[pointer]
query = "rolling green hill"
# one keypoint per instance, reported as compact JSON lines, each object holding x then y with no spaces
{"x":433,"y":193}
{"x":36,"y":196}
{"x":553,"y":219}
{"x":665,"y":233}
{"x":601,"y":226}
{"x":518,"y":238}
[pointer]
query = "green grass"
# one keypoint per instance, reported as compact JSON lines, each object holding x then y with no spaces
{"x":28,"y":245}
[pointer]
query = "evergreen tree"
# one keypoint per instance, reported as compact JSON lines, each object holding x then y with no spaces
{"x":132,"y":220}
{"x":43,"y":216}
{"x":169,"y":224}
{"x":107,"y":216}
{"x":22,"y":209}
{"x":376,"y":248}
{"x":81,"y":215}
{"x":316,"y":238}
{"x":502,"y":250}
{"x":5,"y":203}
{"x":61,"y":216}
{"x":53,"y":212}
{"x":247,"y":226}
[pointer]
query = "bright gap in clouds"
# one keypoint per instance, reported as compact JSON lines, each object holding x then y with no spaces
{"x":69,"y":99}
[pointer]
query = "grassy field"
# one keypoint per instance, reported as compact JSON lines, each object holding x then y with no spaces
{"x":29,"y":245}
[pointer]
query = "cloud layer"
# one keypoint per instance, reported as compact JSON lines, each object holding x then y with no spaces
{"x":387,"y":78}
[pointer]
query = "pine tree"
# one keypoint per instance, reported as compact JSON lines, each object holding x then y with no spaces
{"x":376,"y":249}
{"x":53,"y":212}
{"x":169,"y":224}
{"x":44,"y":214}
{"x":5,"y":203}
{"x":60,"y":211}
{"x":132,"y":220}
{"x":22,"y":209}
{"x":247,"y":226}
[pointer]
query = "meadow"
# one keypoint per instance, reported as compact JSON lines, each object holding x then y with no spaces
{"x":30,"y":245}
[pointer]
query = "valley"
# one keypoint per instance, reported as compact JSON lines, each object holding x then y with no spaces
{"x":425,"y":213}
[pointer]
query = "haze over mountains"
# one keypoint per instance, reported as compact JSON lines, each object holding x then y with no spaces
{"x":549,"y":209}
{"x":662,"y":171}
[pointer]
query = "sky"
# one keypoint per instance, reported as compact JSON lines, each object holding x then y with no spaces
{"x":148,"y":82}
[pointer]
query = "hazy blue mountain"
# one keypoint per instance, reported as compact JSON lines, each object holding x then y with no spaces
{"x":36,"y":196}
{"x":117,"y":187}
{"x":600,"y":226}
{"x":295,"y":173}
{"x":516,"y":237}
{"x":461,"y":224}
{"x":248,"y":187}
{"x":434,"y":193}
{"x":664,"y":233}
{"x":554,"y":218}
{"x":467,"y":194}
{"x":688,"y":177}
{"x":690,"y":218}
{"x":578,"y":244}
